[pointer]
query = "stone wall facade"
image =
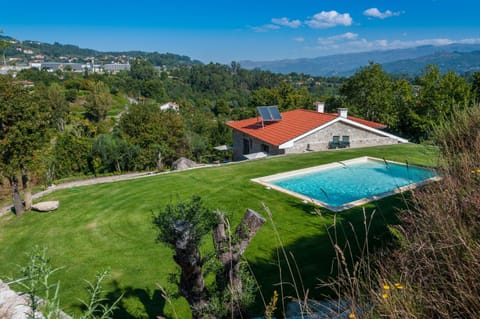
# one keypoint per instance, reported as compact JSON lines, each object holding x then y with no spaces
{"x":254,"y":146}
{"x":321,"y":140}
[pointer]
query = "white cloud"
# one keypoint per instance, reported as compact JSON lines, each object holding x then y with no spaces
{"x":329,"y":19}
{"x":350,"y":43}
{"x":266,"y":28}
{"x":299,"y":39}
{"x":286,"y":22}
{"x":375,"y":13}
{"x":469,"y":41}
{"x":349,"y":36}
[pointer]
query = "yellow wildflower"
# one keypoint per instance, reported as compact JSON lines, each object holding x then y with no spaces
{"x":386,"y":287}
{"x":384,"y":296}
{"x":352,"y":315}
{"x":398,"y":286}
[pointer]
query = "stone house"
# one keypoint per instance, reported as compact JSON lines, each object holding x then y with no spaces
{"x":301,"y":131}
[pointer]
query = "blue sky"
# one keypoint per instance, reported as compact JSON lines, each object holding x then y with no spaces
{"x":225,"y":31}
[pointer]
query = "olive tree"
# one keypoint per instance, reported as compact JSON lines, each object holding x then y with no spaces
{"x":182,"y":227}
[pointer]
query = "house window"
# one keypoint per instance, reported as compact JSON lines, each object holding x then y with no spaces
{"x":246,"y":146}
{"x":345,"y":141}
{"x":335,"y":143}
{"x":265,"y":148}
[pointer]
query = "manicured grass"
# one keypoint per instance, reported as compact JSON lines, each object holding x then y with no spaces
{"x":109,"y":226}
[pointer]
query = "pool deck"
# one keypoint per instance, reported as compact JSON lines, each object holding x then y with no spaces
{"x":266,"y":181}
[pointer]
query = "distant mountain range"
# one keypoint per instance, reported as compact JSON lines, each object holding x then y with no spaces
{"x":461,"y":58}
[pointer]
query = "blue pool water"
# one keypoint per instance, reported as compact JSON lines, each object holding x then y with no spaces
{"x":351,"y":182}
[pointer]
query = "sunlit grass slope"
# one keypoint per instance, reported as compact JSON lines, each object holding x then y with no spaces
{"x":109,"y":226}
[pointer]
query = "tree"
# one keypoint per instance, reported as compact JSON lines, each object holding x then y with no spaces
{"x":476,"y":87}
{"x":229,"y":248}
{"x":404,"y":104}
{"x":265,"y":96}
{"x":72,"y":155}
{"x":368,"y":94}
{"x":23,"y":133}
{"x":154,"y":131}
{"x":99,"y":101}
{"x":298,"y":98}
{"x":58,"y":105}
{"x":439,"y":96}
{"x":221,"y":107}
{"x":116,"y":154}
{"x":182,"y":228}
{"x":142,"y":70}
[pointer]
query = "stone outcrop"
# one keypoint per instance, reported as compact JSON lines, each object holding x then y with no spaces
{"x":183,"y":163}
{"x":46,"y":206}
{"x":13,"y":305}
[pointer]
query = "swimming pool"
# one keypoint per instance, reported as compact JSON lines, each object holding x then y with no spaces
{"x":342,"y":185}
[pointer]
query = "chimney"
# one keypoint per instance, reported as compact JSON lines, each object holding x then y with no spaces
{"x":342,"y":112}
{"x":320,"y":106}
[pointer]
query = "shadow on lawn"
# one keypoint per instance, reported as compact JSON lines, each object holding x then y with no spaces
{"x":310,"y":260}
{"x":136,"y":303}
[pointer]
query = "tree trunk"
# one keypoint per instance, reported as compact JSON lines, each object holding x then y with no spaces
{"x":61,"y":125}
{"x":117,"y":166}
{"x":230,"y":250}
{"x":159,"y":163}
{"x":192,"y":283}
{"x":17,"y":199}
{"x":27,"y":189}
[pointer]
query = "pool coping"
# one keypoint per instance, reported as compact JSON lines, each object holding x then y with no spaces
{"x":265,"y":181}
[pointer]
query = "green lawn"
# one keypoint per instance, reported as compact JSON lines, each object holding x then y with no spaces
{"x":109,"y":226}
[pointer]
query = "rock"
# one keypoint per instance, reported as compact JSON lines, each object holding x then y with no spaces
{"x":183,"y":163}
{"x":46,"y":206}
{"x":12,"y":305}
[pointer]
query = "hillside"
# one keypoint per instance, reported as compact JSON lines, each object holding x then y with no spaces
{"x":27,"y":51}
{"x":461,"y":58}
{"x":460,"y":62}
{"x":409,"y":61}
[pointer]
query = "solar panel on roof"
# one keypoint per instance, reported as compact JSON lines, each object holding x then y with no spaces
{"x":264,"y":113}
{"x":269,"y":113}
{"x":275,"y":113}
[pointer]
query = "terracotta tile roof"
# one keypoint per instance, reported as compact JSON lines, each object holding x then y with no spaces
{"x":367,"y":123}
{"x":293,"y":124}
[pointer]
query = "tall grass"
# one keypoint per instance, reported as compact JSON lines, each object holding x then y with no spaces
{"x":434,"y":269}
{"x":439,"y":255}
